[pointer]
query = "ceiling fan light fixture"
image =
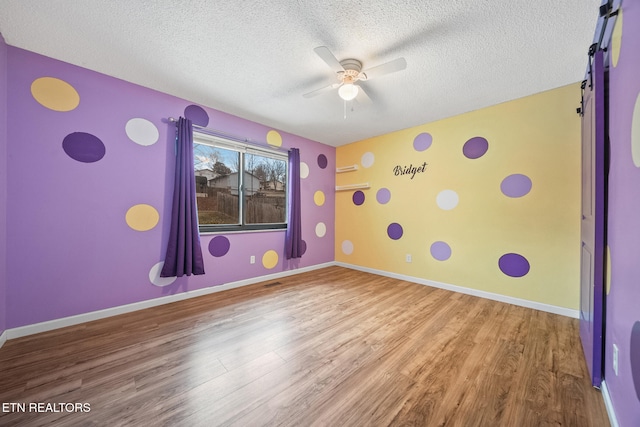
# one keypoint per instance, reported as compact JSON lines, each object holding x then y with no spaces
{"x":348,"y":91}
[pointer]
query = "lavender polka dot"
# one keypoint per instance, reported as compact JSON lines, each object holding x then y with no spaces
{"x":303,"y":247}
{"x":635,"y":357}
{"x":475,"y":147}
{"x":197,"y":115}
{"x":358,"y":198}
{"x":440,"y":251}
{"x":394,"y":231}
{"x":83,"y":147}
{"x":322,"y":161}
{"x":347,"y":247}
{"x":516,"y":185}
{"x":219,"y":246}
{"x":383,"y":196}
{"x":514,"y":265}
{"x":422,"y":141}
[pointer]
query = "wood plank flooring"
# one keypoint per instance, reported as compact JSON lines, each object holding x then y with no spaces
{"x":332,"y":347}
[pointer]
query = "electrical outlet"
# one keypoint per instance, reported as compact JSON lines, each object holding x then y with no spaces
{"x":408,"y":257}
{"x":252,"y":260}
{"x":615,"y":359}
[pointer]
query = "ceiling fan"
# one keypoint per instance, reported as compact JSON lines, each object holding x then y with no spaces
{"x":349,"y":71}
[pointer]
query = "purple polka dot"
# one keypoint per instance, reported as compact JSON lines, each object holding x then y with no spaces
{"x":475,"y":147}
{"x":394,"y":230}
{"x":635,"y":357}
{"x":358,"y":198}
{"x":422,"y":141}
{"x":322,"y":161}
{"x":440,"y":251}
{"x":516,"y":185}
{"x":197,"y":115}
{"x":513,"y":265}
{"x":219,"y":246}
{"x":83,"y":147}
{"x":303,"y":247}
{"x":383,"y":196}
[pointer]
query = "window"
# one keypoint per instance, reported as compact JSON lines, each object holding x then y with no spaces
{"x":238,"y":186}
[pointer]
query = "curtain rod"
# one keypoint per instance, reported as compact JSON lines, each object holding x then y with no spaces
{"x":219,"y":133}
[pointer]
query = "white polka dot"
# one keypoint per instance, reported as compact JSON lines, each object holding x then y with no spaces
{"x":321,"y":229}
{"x":367,"y":160}
{"x":154,"y":276}
{"x":142,"y":131}
{"x":347,"y":247}
{"x":447,"y":200}
{"x":635,"y":133}
{"x":304,"y":170}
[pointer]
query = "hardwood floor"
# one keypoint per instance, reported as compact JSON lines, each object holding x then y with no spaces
{"x":333,"y":347}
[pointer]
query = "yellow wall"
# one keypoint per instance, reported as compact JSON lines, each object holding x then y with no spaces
{"x":537,"y":136}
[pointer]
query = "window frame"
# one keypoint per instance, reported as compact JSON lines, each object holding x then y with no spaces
{"x":242,"y":148}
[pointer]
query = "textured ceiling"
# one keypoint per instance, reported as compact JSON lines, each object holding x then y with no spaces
{"x":255,"y":59}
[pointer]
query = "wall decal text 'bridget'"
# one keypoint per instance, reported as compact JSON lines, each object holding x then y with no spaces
{"x":409,"y":170}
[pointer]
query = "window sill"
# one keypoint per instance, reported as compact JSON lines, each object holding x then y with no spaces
{"x":234,"y":229}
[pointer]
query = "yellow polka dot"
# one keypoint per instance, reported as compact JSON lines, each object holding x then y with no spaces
{"x":616,"y":40}
{"x":635,"y":133}
{"x":142,"y":217}
{"x":608,"y":267}
{"x":318,"y":198}
{"x":270,"y":259}
{"x":55,"y":94}
{"x":274,"y":138}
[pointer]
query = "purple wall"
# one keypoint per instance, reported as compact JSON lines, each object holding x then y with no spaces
{"x":623,"y":299}
{"x":3,"y":185}
{"x":70,"y":249}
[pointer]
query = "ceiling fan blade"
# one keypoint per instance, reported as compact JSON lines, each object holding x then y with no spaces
{"x":328,"y":57}
{"x":386,"y":68}
{"x":321,"y":90}
{"x":363,"y":97}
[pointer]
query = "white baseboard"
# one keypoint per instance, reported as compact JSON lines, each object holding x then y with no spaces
{"x":36,"y":328}
{"x":114,"y":311}
{"x":608,"y":403}
{"x":475,"y":292}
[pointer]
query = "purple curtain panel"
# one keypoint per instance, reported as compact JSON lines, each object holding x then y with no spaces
{"x":184,"y":254}
{"x":293,"y":237}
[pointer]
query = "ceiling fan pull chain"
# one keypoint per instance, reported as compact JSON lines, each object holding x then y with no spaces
{"x":345,"y":110}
